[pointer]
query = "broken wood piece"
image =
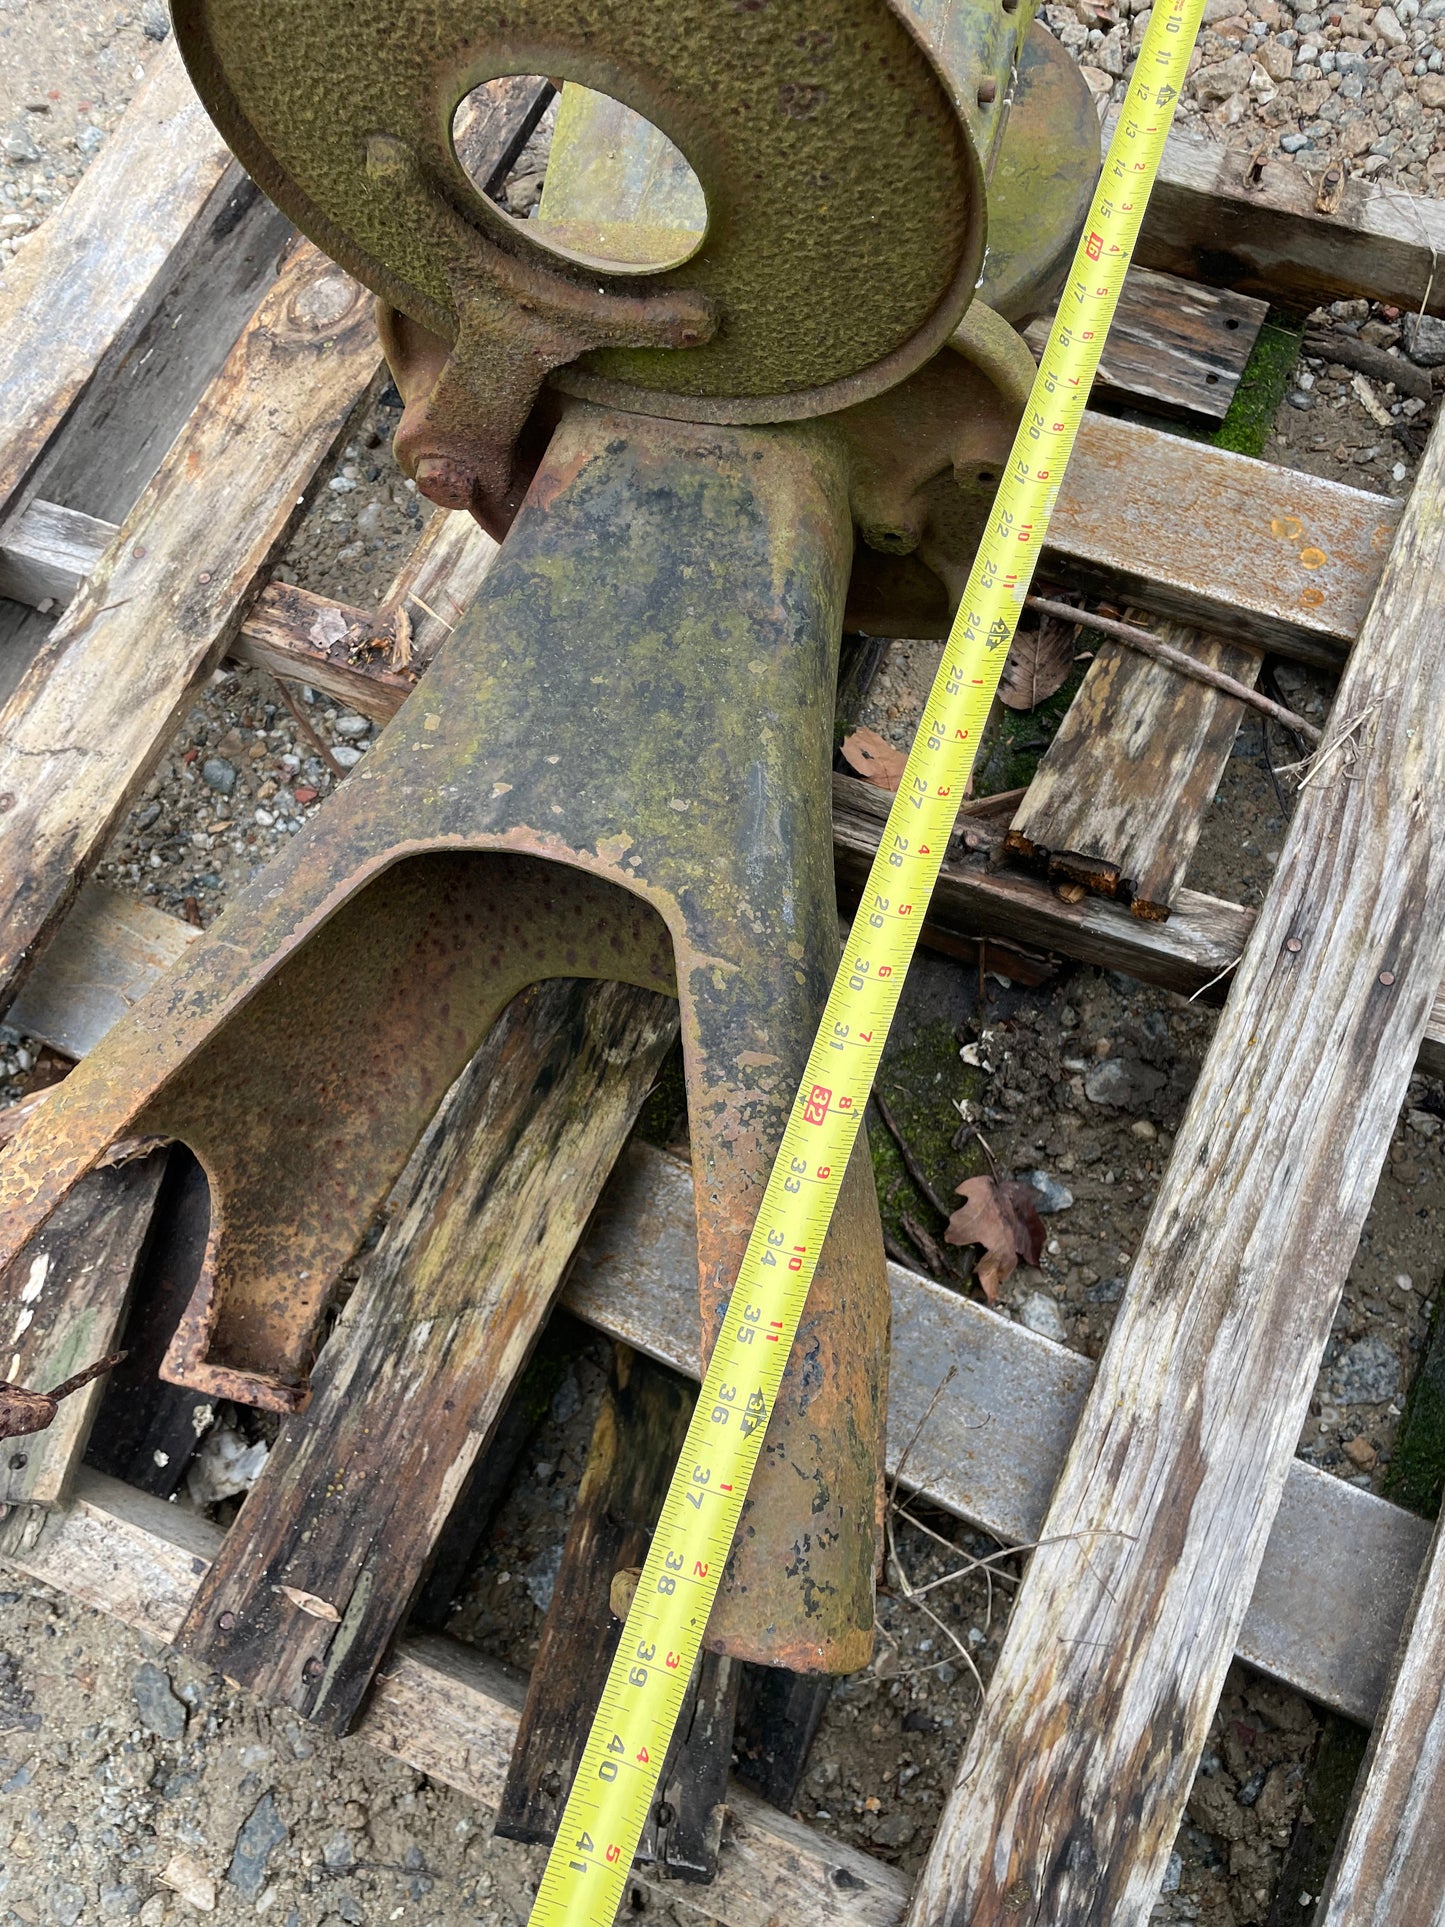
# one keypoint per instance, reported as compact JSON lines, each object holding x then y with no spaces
{"x":1148,"y":644}
{"x":406,"y":1393}
{"x":1176,"y":347}
{"x":1120,"y":794}
{"x":68,"y":1289}
{"x":1133,"y":1602}
{"x":83,"y":729}
{"x":640,"y":1428}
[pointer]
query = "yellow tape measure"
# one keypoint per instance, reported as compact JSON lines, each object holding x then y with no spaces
{"x":617,"y":1779}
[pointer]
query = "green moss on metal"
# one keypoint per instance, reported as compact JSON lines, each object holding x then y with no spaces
{"x":1262,"y":387}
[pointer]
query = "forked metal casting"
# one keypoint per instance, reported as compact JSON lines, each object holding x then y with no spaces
{"x":618,"y":765}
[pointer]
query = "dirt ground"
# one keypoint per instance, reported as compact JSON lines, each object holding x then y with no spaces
{"x":136,"y":1786}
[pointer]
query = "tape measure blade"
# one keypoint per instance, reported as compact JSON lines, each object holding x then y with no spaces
{"x":608,"y":1804}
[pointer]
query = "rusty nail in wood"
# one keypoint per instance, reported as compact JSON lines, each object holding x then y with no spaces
{"x":139,"y":551}
{"x":1387,"y":977}
{"x":7,"y":800}
{"x":205,"y":576}
{"x":1293,"y":944}
{"x":313,"y":1669}
{"x":226,"y":1622}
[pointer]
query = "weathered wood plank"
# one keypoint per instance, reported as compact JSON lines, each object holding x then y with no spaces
{"x":1273,"y":556}
{"x":103,"y":958}
{"x":1118,"y":800}
{"x":444,"y":1710}
{"x":284,"y":633}
{"x":141,"y":393}
{"x":1213,"y":216}
{"x":1075,"y":1775}
{"x":80,"y":733}
{"x":1176,"y":346}
{"x":1341,"y":1564}
{"x":47,"y":551}
{"x":1390,"y":1867}
{"x":73,"y":294}
{"x":411,"y":1385}
{"x":69,"y":1288}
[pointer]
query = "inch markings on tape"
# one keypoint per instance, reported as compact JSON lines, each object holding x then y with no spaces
{"x":616,"y":1782}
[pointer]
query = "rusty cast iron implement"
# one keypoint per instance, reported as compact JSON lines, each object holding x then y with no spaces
{"x":786,"y":409}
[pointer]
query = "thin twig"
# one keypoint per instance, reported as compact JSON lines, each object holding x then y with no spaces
{"x":943,"y":1384}
{"x":910,"y":1162}
{"x":1233,"y":964}
{"x":308,"y":729}
{"x":435,"y":616}
{"x":1341,"y":743}
{"x":1149,"y":644}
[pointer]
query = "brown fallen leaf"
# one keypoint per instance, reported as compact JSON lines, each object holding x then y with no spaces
{"x":308,"y":1602}
{"x":1004,"y":1219}
{"x":874,"y":758}
{"x":1039,"y":659}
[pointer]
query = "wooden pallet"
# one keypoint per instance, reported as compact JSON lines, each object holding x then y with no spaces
{"x":149,"y":477}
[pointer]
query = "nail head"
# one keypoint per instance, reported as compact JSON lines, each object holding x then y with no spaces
{"x":1293,"y":944}
{"x":1387,"y":977}
{"x":312,"y":1669}
{"x":204,"y":576}
{"x":226,"y":1622}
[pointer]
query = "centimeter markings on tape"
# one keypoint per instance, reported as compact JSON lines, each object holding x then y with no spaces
{"x":617,"y":1777}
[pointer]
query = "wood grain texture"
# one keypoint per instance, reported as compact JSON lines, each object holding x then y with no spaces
{"x":1118,"y":800}
{"x":411,"y":1384}
{"x":1213,"y":217}
{"x":443,"y":1709}
{"x":1265,"y":555}
{"x":1390,"y":1866}
{"x":1341,"y":1564}
{"x":103,"y":958}
{"x":79,"y":735}
{"x":47,"y":551}
{"x":1176,"y":346}
{"x":65,"y":1297}
{"x":1077,"y":1770}
{"x":640,"y":1427}
{"x":72,"y":294}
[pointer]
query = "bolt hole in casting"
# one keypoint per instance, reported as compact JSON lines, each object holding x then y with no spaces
{"x":624,"y":159}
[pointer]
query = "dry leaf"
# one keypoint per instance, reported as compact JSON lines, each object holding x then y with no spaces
{"x":1004,"y":1219}
{"x":875,"y":759}
{"x":401,"y":641}
{"x":1038,"y":661}
{"x":328,"y":628}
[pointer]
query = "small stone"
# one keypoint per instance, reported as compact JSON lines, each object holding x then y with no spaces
{"x":1294,"y":144}
{"x":1142,"y":1129}
{"x":1425,"y":337}
{"x":21,"y":149}
{"x":218,"y":775}
{"x":1432,"y":90}
{"x":120,"y":1902}
{"x":1299,"y":399}
{"x":258,"y":1839}
{"x":155,"y":20}
{"x":347,"y":755}
{"x":185,"y":1875}
{"x":1123,"y":1083}
{"x":1367,"y":1373}
{"x":1388,"y":28}
{"x":352,"y":725}
{"x":90,"y":140}
{"x":67,"y":1903}
{"x":341,"y":485}
{"x":153,"y":1914}
{"x":1276,"y":60}
{"x":1360,"y":1452}
{"x":894,"y":1830}
{"x":1038,"y":1313}
{"x":541,"y":1577}
{"x":1223,"y":78}
{"x":1423,"y":1123}
{"x":566,"y":1400}
{"x":1173,"y":1874}
{"x":368,"y":523}
{"x":161,"y":1713}
{"x":1052,"y":1196}
{"x":1108,"y":1291}
{"x":337,"y":1853}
